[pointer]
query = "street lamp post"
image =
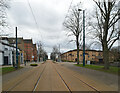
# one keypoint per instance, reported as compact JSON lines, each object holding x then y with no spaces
{"x":16,"y":50}
{"x":83,"y":35}
{"x":13,"y":53}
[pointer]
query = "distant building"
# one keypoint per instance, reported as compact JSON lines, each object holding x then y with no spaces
{"x":90,"y":55}
{"x":28,"y":47}
{"x":35,"y":52}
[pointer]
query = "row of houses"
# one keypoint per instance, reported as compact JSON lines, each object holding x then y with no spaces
{"x":90,"y":55}
{"x":27,"y":51}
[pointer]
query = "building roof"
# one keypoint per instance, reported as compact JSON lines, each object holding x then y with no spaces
{"x":27,"y":40}
{"x":34,"y":45}
{"x":8,"y":45}
{"x":4,"y":38}
{"x":81,"y":50}
{"x":12,"y":40}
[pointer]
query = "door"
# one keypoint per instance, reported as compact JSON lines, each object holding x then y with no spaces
{"x":100,"y":60}
{"x":75,"y":59}
{"x":5,"y":60}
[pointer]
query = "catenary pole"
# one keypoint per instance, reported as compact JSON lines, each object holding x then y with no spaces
{"x":83,"y":37}
{"x":16,"y":49}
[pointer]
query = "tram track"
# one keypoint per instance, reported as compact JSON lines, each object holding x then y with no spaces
{"x":61,"y":73}
{"x":20,"y":81}
{"x":38,"y":81}
{"x":95,"y":89}
{"x":36,"y":84}
{"x":63,"y":80}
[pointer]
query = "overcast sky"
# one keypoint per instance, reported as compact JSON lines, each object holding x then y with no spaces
{"x":49,"y":14}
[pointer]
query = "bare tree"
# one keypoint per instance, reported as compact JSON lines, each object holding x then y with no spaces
{"x":45,"y":56}
{"x":3,"y":6}
{"x":3,"y":16}
{"x":41,"y":52}
{"x":73,"y":23}
{"x":105,"y":26}
{"x":55,"y":53}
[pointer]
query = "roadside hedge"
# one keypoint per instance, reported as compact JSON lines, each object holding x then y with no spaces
{"x":33,"y":64}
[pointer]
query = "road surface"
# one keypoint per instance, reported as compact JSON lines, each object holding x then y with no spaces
{"x":53,"y":77}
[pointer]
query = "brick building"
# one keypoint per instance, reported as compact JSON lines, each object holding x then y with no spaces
{"x":35,"y":52}
{"x":28,"y":47}
{"x":90,"y":55}
{"x":20,"y":42}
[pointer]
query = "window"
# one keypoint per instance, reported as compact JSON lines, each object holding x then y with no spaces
{"x":86,"y":53}
{"x":6,"y":49}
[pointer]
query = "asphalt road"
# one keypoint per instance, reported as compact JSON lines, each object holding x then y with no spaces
{"x":54,"y":77}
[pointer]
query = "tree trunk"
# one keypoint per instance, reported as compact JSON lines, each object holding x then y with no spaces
{"x":105,"y":45}
{"x":77,"y":43}
{"x":105,"y":56}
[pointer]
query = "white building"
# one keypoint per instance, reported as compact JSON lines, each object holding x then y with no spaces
{"x":7,"y":52}
{"x":1,"y":54}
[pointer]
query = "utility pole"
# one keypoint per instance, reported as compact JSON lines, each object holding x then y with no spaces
{"x":13,"y":54}
{"x":44,"y":57}
{"x":38,"y":52}
{"x":59,"y":54}
{"x":83,"y":37}
{"x":16,"y":49}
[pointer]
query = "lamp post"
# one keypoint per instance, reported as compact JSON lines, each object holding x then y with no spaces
{"x":16,"y":50}
{"x":59,"y":54}
{"x":13,"y":53}
{"x":83,"y":35}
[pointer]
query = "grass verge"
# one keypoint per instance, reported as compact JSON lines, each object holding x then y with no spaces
{"x":8,"y":69}
{"x":112,"y":70}
{"x":33,"y":64}
{"x":55,"y":62}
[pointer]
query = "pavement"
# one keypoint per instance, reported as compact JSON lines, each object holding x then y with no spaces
{"x":62,"y":76}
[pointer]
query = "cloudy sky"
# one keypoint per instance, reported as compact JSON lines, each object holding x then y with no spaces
{"x":49,"y":15}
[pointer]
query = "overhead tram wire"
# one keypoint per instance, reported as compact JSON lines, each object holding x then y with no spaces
{"x":34,"y":17}
{"x":68,"y":9}
{"x":68,"y":12}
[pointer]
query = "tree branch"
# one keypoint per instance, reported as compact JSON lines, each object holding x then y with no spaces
{"x":102,"y":12}
{"x":111,"y":21}
{"x":113,"y":42}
